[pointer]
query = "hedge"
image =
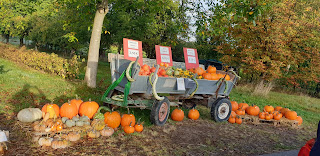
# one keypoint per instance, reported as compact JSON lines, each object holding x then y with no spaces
{"x":49,"y":63}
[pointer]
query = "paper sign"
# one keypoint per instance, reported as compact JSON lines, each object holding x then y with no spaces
{"x":191,"y":58}
{"x":180,"y":84}
{"x":164,"y":50}
{"x":165,"y":58}
{"x":133,"y":53}
{"x":163,"y":54}
{"x":3,"y":137}
{"x":132,"y":49}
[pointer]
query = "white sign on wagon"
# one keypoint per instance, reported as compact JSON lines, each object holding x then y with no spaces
{"x":165,"y":58}
{"x":192,"y":59}
{"x":164,"y":50}
{"x":133,"y":44}
{"x":133,"y":53}
{"x":180,"y":84}
{"x":191,"y":52}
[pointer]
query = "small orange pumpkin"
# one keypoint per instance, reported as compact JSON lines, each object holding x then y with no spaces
{"x":299,"y":119}
{"x":193,"y":114}
{"x":268,"y":108}
{"x":238,"y":120}
{"x":277,"y":116}
{"x":177,"y":114}
{"x":128,"y":129}
{"x":234,"y":105}
{"x":59,"y":127}
{"x":268,"y":116}
{"x":233,"y":114}
{"x":88,"y":108}
{"x":262,"y":115}
{"x":68,"y":110}
{"x":138,"y":127}
{"x":127,"y":119}
{"x":291,"y":115}
{"x":240,"y":112}
{"x":211,"y":69}
{"x":284,"y":110}
{"x":232,"y":120}
{"x":278,"y":108}
{"x":243,"y":106}
{"x":207,"y":76}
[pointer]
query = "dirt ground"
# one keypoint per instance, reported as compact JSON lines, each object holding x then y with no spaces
{"x":201,"y":137}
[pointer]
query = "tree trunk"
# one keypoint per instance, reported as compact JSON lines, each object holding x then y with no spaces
{"x":93,"y":55}
{"x":7,"y":36}
{"x":21,"y":41}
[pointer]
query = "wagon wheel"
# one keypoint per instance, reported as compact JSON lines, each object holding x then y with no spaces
{"x":221,"y":110}
{"x":160,"y":112}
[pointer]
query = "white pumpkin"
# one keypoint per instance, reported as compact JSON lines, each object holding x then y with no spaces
{"x":29,"y":114}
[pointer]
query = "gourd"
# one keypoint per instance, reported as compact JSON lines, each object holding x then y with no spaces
{"x":127,"y":119}
{"x":177,"y":115}
{"x":97,"y":124}
{"x":44,"y":141}
{"x":54,"y":110}
{"x":29,"y":114}
{"x":107,"y":131}
{"x":70,"y":123}
{"x":75,"y":118}
{"x":93,"y":134}
{"x":73,"y":136}
{"x":193,"y":114}
{"x":64,"y":119}
{"x":98,"y":114}
{"x":79,"y":123}
{"x":55,"y":144}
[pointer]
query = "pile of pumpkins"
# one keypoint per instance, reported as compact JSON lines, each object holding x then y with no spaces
{"x":269,"y":112}
{"x":88,"y":114}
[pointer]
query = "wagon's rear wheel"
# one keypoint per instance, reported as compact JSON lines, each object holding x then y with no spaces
{"x":221,"y":110}
{"x":160,"y":112}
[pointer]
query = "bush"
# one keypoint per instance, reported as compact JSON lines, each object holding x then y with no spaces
{"x":50,"y":63}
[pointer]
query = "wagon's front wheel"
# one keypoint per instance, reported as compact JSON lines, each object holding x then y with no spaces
{"x":160,"y":112}
{"x":221,"y":110}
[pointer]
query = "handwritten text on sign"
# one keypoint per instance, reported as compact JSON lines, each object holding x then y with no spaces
{"x":165,"y":58}
{"x":192,"y":60}
{"x":191,"y":52}
{"x":133,"y":44}
{"x":164,"y":50}
{"x":133,"y":53}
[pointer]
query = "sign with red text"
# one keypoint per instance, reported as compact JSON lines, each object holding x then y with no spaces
{"x":191,"y":58}
{"x":164,"y":54}
{"x":132,"y":49}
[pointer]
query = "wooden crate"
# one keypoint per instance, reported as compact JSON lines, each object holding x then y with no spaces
{"x":282,"y":122}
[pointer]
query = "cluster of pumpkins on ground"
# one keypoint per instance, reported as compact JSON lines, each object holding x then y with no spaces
{"x":79,"y":115}
{"x":269,"y":112}
{"x":167,"y":71}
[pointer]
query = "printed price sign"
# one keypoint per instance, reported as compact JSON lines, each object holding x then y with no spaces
{"x":163,"y":54}
{"x":191,"y":58}
{"x":132,"y":49}
{"x":180,"y":84}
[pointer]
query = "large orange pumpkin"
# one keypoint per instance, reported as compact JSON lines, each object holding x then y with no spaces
{"x":68,"y":110}
{"x":77,"y":102}
{"x":193,"y":114}
{"x":291,"y":115}
{"x":299,"y":119}
{"x":234,"y":105}
{"x":268,"y":108}
{"x":243,"y":106}
{"x":253,"y":110}
{"x":127,"y":119}
{"x":55,"y":108}
{"x":88,"y":108}
{"x":211,"y":69}
{"x":284,"y":110}
{"x":112,"y":119}
{"x":214,"y":76}
{"x":177,"y":115}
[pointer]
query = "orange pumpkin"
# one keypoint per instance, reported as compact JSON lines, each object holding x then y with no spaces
{"x":138,"y":127}
{"x":232,"y":120}
{"x":240,"y":112}
{"x":88,"y":108}
{"x":233,"y":114}
{"x":253,"y":110}
{"x":177,"y":115}
{"x":128,"y":129}
{"x":277,"y":116}
{"x":262,"y":115}
{"x":268,"y":116}
{"x":243,"y":106}
{"x":268,"y":108}
{"x":214,"y":76}
{"x":227,"y":77}
{"x":198,"y":71}
{"x":55,"y":108}
{"x":127,"y":119}
{"x":77,"y":102}
{"x":211,"y":69}
{"x":278,"y":108}
{"x":112,"y":119}
{"x":234,"y":105}
{"x":299,"y":119}
{"x":59,"y":127}
{"x":68,"y":110}
{"x":207,"y":76}
{"x":238,"y":120}
{"x":193,"y":114}
{"x":284,"y":110}
{"x":291,"y":115}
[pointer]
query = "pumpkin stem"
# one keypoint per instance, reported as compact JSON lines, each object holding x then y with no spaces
{"x":130,"y":124}
{"x":90,"y":99}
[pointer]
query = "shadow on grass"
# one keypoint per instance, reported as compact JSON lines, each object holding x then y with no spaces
{"x":2,"y":71}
